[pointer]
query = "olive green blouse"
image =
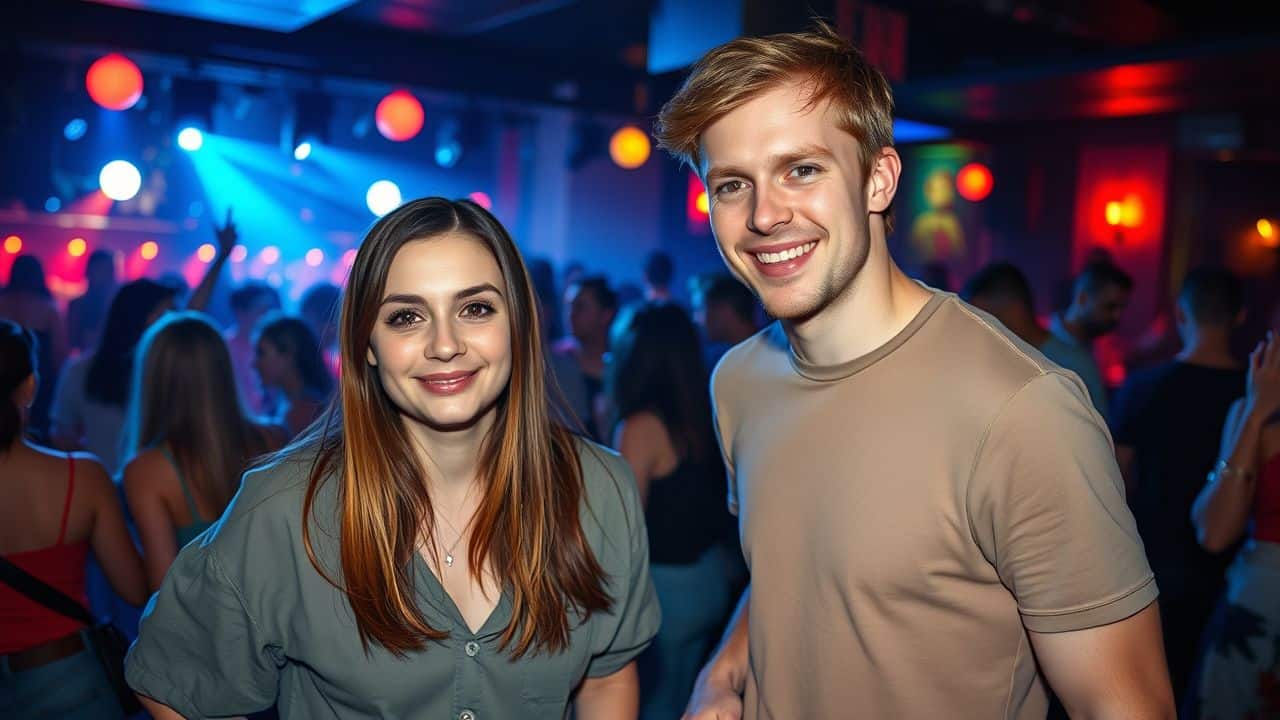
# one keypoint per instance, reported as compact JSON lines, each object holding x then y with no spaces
{"x":243,"y":620}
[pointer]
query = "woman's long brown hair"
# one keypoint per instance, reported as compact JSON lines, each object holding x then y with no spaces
{"x":182,"y":395}
{"x":527,"y":526}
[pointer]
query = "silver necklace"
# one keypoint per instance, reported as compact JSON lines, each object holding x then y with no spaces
{"x":448,"y":553}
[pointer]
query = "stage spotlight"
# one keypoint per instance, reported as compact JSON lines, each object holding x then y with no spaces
{"x":629,"y":147}
{"x":349,"y":257}
{"x":207,"y":252}
{"x":120,"y":180}
{"x":76,"y":247}
{"x":239,"y":253}
{"x":383,"y":197}
{"x":482,"y":199}
{"x":52,"y":204}
{"x":75,"y":129}
{"x":270,"y":255}
{"x":315,"y":256}
{"x":309,"y":126}
{"x":399,"y":116}
{"x":190,"y":139}
{"x":974,"y":182}
{"x":114,"y":82}
{"x":149,"y":250}
{"x":13,"y":244}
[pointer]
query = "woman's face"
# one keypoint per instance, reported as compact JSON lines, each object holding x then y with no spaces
{"x":441,"y":343}
{"x":272,"y":364}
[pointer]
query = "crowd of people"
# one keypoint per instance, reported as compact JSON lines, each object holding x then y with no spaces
{"x":414,"y":463}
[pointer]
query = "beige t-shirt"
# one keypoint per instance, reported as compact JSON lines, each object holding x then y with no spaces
{"x":908,"y":516}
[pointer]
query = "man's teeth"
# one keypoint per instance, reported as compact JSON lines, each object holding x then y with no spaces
{"x":785,"y":255}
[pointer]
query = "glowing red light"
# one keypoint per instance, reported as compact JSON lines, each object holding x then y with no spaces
{"x":974,"y":182}
{"x":399,"y":116}
{"x":114,"y":82}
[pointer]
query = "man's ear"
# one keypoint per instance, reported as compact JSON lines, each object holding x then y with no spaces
{"x":882,"y":182}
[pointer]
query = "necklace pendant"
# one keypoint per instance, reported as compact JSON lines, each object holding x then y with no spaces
{"x":448,"y":560}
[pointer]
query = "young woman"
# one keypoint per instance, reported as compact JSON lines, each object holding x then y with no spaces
{"x":55,"y":509}
{"x":437,"y":547}
{"x":187,"y":436}
{"x":1241,"y":661}
{"x":657,"y":385}
{"x":289,"y":361}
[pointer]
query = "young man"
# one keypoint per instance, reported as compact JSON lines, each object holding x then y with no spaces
{"x":725,"y":310}
{"x":1168,"y":424}
{"x":592,"y":307}
{"x":931,"y":511}
{"x":1099,"y":296}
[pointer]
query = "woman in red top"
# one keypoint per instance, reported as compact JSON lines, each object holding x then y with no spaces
{"x":54,"y":509}
{"x":1240,"y":670}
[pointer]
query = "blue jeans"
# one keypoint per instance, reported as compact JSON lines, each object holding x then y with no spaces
{"x":694,"y":600}
{"x":73,"y":688}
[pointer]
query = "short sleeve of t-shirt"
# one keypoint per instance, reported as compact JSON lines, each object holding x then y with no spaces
{"x":199,"y":651}
{"x":621,"y":634}
{"x":1046,"y":506}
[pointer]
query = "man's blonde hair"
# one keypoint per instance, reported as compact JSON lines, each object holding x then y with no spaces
{"x":737,"y":71}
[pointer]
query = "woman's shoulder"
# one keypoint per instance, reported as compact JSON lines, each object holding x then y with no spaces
{"x":610,"y":492}
{"x":148,"y":467}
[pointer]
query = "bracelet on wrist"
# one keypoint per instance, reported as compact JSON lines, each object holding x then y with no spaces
{"x":1224,"y":471}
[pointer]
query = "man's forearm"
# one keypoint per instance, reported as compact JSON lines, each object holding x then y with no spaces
{"x":730,"y":663}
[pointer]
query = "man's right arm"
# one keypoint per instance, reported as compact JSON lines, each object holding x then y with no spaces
{"x":717,"y":695}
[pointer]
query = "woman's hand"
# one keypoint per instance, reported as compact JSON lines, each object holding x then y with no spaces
{"x":1263,"y":398}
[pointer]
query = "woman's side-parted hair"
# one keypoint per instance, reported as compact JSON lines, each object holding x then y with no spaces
{"x":183,"y":394}
{"x":734,"y":73}
{"x":656,"y":365}
{"x":527,"y":526}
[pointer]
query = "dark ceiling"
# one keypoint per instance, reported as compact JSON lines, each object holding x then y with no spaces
{"x":967,"y":62}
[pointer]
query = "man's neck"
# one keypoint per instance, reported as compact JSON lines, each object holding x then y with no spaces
{"x":1208,"y":349}
{"x":878,"y":304}
{"x":1071,"y":323}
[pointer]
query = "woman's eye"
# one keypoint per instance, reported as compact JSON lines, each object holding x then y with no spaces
{"x":402,"y":318}
{"x":477,"y":310}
